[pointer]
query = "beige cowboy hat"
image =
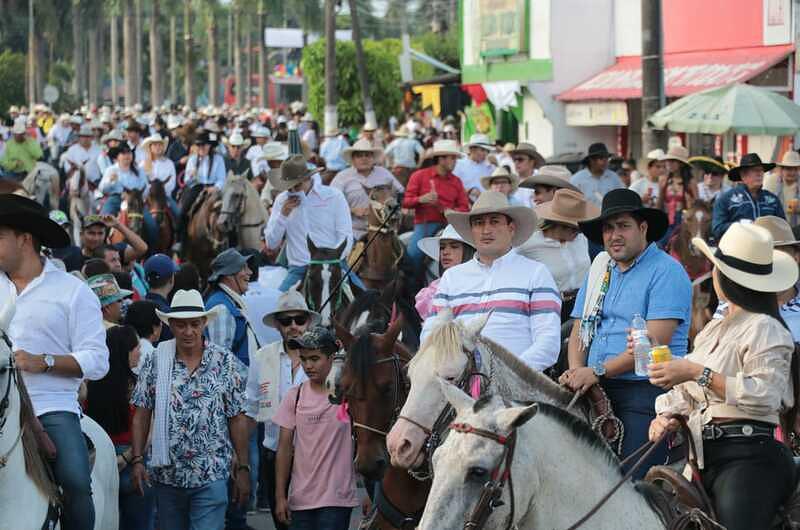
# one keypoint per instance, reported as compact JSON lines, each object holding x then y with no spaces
{"x":528,"y":150}
{"x":501,"y":172}
{"x":361,"y":146}
{"x":677,"y":152}
{"x":293,"y":301}
{"x":781,"y":231}
{"x":430,"y":245}
{"x":154,"y":138}
{"x":445,"y":148}
{"x":236,"y":140}
{"x":656,"y":154}
{"x":479,"y":140}
{"x":402,"y":132}
{"x":790,"y":159}
{"x":274,"y":151}
{"x":568,"y":207}
{"x":185,"y":305}
{"x":746,"y":255}
{"x":292,"y":171}
{"x":555,"y":176}
{"x":495,"y":202}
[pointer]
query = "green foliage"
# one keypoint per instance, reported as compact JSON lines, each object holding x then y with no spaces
{"x":383,"y":72}
{"x":441,"y":47}
{"x":12,"y":79}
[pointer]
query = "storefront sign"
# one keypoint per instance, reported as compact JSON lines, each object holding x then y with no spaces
{"x":597,"y":113}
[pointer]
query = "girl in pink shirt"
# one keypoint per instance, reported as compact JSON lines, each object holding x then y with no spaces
{"x":315,"y":449}
{"x":448,"y":249}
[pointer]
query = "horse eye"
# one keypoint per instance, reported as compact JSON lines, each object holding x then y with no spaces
{"x":477,"y":473}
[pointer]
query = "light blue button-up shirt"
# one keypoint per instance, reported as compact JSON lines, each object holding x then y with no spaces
{"x":471,"y":172}
{"x":595,"y":188}
{"x":208,"y":172}
{"x":331,"y":150}
{"x":126,"y":180}
{"x":655,"y":286}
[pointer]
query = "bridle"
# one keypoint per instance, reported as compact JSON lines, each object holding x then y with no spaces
{"x":11,"y":380}
{"x":492,"y":491}
{"x":237,"y":208}
{"x":437,"y":432}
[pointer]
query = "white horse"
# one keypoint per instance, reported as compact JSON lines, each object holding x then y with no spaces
{"x":560,"y":470}
{"x":25,"y":493}
{"x":242,"y":211}
{"x":449,"y":352}
{"x":43,"y":184}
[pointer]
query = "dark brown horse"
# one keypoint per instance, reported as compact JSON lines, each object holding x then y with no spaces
{"x":380,"y":261}
{"x":132,"y":215}
{"x":204,"y":238}
{"x":696,"y":222}
{"x":158,"y":206}
{"x":323,"y":276}
{"x":373,"y":384}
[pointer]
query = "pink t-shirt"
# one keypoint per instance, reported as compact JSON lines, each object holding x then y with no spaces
{"x":322,"y":472}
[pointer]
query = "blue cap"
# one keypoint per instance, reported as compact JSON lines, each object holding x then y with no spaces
{"x":159,"y":266}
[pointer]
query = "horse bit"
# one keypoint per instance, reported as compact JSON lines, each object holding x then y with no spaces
{"x":4,"y":403}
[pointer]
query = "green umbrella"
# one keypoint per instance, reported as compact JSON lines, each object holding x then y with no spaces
{"x":738,"y":108}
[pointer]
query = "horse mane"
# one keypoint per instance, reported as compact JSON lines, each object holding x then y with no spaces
{"x":442,"y":344}
{"x":364,"y":301}
{"x":35,"y":466}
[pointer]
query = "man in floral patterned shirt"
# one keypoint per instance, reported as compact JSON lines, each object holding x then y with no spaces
{"x":194,"y":391}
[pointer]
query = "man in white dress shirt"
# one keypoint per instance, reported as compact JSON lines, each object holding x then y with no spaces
{"x":82,"y":156}
{"x":306,"y":210}
{"x":58,"y":340}
{"x":472,"y":168}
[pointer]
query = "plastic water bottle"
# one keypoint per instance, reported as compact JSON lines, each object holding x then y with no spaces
{"x":641,"y":344}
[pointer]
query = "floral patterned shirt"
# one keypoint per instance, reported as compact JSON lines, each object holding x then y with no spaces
{"x":200,"y":406}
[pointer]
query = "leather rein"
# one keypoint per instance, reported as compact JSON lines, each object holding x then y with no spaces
{"x":5,"y":401}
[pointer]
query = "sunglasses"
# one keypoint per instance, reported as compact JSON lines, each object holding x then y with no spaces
{"x":287,"y":320}
{"x":519,"y":159}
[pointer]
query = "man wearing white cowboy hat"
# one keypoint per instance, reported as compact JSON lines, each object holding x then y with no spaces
{"x":331,"y":151}
{"x":274,"y":369}
{"x":21,"y":153}
{"x":305,"y":211}
{"x":362,"y":174}
{"x":505,"y":182}
{"x":447,"y":250}
{"x":235,"y":161}
{"x":431,"y":193}
{"x":783,"y":183}
{"x":475,"y":166}
{"x":193,"y":393}
{"x":260,"y":135}
{"x":546,"y":182}
{"x":649,"y":186}
{"x":519,"y":293}
{"x":82,"y":156}
{"x":404,"y":153}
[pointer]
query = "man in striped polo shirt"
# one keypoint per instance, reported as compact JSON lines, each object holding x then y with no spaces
{"x":520,"y":292}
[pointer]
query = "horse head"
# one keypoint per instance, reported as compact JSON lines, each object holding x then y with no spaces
{"x":696,"y":223}
{"x":323,"y":274}
{"x":233,"y":203}
{"x":134,"y":210}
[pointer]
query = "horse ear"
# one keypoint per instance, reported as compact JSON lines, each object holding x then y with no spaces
{"x":312,"y":248}
{"x":390,"y":337}
{"x":456,"y":397}
{"x":343,"y":334}
{"x":476,"y":324}
{"x":514,"y":417}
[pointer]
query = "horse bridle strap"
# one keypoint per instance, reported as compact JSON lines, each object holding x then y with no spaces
{"x":391,"y":513}
{"x":492,"y":491}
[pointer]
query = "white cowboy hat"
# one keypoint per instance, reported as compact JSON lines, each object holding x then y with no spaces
{"x":480,"y":140}
{"x":555,"y":176}
{"x":185,"y":305}
{"x":86,"y":130}
{"x":501,"y":172}
{"x":19,"y":127}
{"x":274,"y":151}
{"x":446,"y":148}
{"x":307,"y":117}
{"x":260,"y":132}
{"x":781,"y":231}
{"x":153,"y":139}
{"x":495,"y":202}
{"x":790,"y":159}
{"x":656,"y":154}
{"x":236,"y":140}
{"x":361,"y":146}
{"x":173,"y":122}
{"x":430,"y":245}
{"x":746,"y":255}
{"x":677,"y":152}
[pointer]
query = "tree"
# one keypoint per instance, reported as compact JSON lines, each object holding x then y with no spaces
{"x":188,"y":78}
{"x":156,"y":97}
{"x":12,"y":84}
{"x":129,"y":52}
{"x":331,"y":96}
{"x":211,"y":47}
{"x":369,"y":111}
{"x":78,"y":36}
{"x":263,"y":68}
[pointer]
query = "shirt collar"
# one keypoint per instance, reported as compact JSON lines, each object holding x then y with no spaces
{"x":505,"y":257}
{"x":651,"y":247}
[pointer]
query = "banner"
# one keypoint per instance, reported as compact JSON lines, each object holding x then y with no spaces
{"x":479,"y":119}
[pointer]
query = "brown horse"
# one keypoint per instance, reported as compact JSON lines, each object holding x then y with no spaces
{"x":12,"y":186}
{"x":373,"y":384}
{"x":158,"y":206}
{"x":204,"y":239}
{"x":381,"y":257}
{"x":696,"y":223}
{"x":130,"y":215}
{"x":323,"y":275}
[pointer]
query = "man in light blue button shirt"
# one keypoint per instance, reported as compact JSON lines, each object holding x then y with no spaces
{"x":643,"y":280}
{"x":595,"y":180}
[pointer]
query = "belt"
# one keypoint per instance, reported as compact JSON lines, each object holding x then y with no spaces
{"x":717,"y":431}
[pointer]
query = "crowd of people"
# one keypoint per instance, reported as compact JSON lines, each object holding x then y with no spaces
{"x":213,"y":389}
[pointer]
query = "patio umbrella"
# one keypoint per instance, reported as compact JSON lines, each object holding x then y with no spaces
{"x":738,"y":108}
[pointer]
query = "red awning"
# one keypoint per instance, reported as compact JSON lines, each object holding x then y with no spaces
{"x":684,"y":73}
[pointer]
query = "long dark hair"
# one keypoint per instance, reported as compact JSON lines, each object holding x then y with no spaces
{"x":108,"y":397}
{"x":467,"y":253}
{"x":767,"y":304}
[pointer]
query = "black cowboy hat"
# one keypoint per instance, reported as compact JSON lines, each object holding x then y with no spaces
{"x":207,"y":137}
{"x":114,"y":152}
{"x":25,"y":215}
{"x":709,"y":164}
{"x":625,"y":201}
{"x":598,"y":150}
{"x":748,"y":160}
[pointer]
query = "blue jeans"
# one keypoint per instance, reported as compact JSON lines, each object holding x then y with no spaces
{"x":136,"y":512}
{"x":201,"y":508}
{"x":236,"y":516}
{"x":328,"y":518}
{"x":633,"y":403}
{"x":71,"y":468}
{"x":297,"y":274}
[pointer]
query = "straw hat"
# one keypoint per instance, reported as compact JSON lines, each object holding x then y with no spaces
{"x":708,"y":164}
{"x":274,"y":151}
{"x":528,"y":150}
{"x":154,"y":138}
{"x":501,"y":172}
{"x":555,"y":176}
{"x":480,"y":140}
{"x":568,"y":207}
{"x":361,"y":146}
{"x":236,"y":140}
{"x":114,"y":134}
{"x":677,"y":152}
{"x":185,"y":305}
{"x":86,"y":130}
{"x":292,"y":171}
{"x":446,"y":148}
{"x":746,"y":255}
{"x":293,"y":301}
{"x":402,"y":132}
{"x":495,"y":202}
{"x":781,"y":231}
{"x":430,"y":245}
{"x":790,"y":159}
{"x":260,"y":132}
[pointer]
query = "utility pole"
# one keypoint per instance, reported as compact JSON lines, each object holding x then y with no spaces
{"x":652,"y":73}
{"x":263,"y":71}
{"x":331,"y":116}
{"x":188,"y":78}
{"x":138,"y":78}
{"x":31,"y":57}
{"x":114,"y":55}
{"x":173,"y":59}
{"x":361,"y":65}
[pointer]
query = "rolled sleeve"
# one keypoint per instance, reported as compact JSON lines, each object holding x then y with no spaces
{"x":759,"y":386}
{"x":675,"y":402}
{"x":276,"y":225}
{"x":88,"y":335}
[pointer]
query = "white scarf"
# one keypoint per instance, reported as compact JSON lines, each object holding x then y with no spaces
{"x":165,"y":359}
{"x":269,"y":380}
{"x":593,"y":291}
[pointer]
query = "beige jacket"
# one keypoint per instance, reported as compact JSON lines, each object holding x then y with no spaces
{"x":754,"y":353}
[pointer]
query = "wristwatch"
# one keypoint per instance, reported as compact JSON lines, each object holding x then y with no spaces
{"x":599,"y":370}
{"x":49,"y":361}
{"x":705,"y":378}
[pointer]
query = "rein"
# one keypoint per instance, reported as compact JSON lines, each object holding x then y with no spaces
{"x":5,"y":401}
{"x":492,"y":491}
